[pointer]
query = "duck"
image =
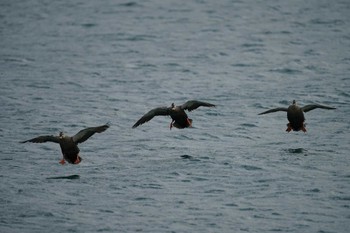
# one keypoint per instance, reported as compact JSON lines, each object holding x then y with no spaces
{"x":69,"y":145}
{"x":178,"y":115}
{"x":295,"y":115}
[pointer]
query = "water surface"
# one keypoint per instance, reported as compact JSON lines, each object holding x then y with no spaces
{"x":67,"y":65}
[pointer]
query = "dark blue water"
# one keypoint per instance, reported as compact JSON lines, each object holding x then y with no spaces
{"x":67,"y":65}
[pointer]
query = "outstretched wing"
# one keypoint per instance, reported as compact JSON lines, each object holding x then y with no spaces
{"x":310,"y":107}
{"x":162,"y":111}
{"x":85,"y":134}
{"x":41,"y":139}
{"x":274,"y":110}
{"x":194,"y":104}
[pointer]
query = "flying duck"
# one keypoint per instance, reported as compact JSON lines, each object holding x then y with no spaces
{"x":295,"y":115}
{"x":179,"y":117}
{"x":69,"y":145}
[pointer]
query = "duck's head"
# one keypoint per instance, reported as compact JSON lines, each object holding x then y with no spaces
{"x":172,"y":105}
{"x":294,"y":102}
{"x":61,"y":135}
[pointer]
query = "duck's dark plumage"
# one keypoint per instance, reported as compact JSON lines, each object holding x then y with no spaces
{"x":295,"y":114}
{"x":177,"y":113}
{"x":161,"y":111}
{"x":194,"y":104}
{"x":42,"y":139}
{"x":69,"y":145}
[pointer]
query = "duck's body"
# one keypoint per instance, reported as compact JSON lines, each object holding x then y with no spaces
{"x":179,"y":118}
{"x":178,"y":115}
{"x":70,"y":150}
{"x":69,"y":145}
{"x":295,"y":115}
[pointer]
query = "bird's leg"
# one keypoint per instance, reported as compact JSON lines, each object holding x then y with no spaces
{"x":77,"y":160}
{"x":289,"y":128}
{"x":62,"y":161}
{"x":303,"y":128}
{"x":171,"y":124}
{"x":189,"y":122}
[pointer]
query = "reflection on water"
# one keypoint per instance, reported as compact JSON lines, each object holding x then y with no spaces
{"x":296,"y":151}
{"x":71,"y":177}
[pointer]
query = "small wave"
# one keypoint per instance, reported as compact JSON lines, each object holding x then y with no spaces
{"x":197,"y":178}
{"x":247,"y":209}
{"x":215,"y":191}
{"x":88,"y":25}
{"x":315,"y":190}
{"x":152,"y":186}
{"x":186,"y":156}
{"x":344,"y":94}
{"x":172,"y":64}
{"x":128,"y":4}
{"x":231,"y":205}
{"x":250,"y":167}
{"x":184,"y":137}
{"x":248,"y":125}
{"x":284,"y":102}
{"x":296,"y":150}
{"x":328,"y":22}
{"x":143,"y":199}
{"x":23,"y":61}
{"x":243,"y":65}
{"x":341,"y":198}
{"x":250,"y":45}
{"x":140,"y":37}
{"x":189,"y":157}
{"x":286,"y":71}
{"x":106,"y":211}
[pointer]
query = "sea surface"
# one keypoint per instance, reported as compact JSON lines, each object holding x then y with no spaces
{"x":67,"y":65}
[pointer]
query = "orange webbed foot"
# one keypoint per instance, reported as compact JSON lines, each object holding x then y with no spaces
{"x":289,"y":128}
{"x":62,"y":161}
{"x":303,"y":129}
{"x":189,"y":122}
{"x":77,"y":161}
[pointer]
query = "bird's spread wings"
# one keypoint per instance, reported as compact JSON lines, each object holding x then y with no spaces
{"x":85,"y":134}
{"x":310,"y":107}
{"x":162,"y":111}
{"x":274,"y":110}
{"x":194,"y":104}
{"x":41,"y":139}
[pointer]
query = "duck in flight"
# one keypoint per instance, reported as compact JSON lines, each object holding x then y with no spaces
{"x":295,"y":115}
{"x":69,"y":145}
{"x":178,"y":115}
